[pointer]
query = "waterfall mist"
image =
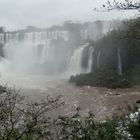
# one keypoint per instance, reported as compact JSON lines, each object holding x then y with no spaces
{"x":53,"y":53}
{"x":43,"y":59}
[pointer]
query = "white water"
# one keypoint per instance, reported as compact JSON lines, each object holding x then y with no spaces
{"x":91,"y":50}
{"x":75,"y":62}
{"x":98,"y":59}
{"x":46,"y":53}
{"x":22,"y":57}
{"x":27,"y":61}
{"x":119,"y":63}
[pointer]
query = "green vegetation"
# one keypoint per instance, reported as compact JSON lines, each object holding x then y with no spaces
{"x":116,"y":59}
{"x":30,"y":121}
{"x":101,"y":78}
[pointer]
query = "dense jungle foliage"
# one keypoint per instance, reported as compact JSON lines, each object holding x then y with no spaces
{"x":116,"y":58}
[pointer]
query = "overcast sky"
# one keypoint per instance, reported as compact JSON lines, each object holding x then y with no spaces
{"x":16,"y":14}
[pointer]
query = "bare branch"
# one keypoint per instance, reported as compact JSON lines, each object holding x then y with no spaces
{"x":126,"y":5}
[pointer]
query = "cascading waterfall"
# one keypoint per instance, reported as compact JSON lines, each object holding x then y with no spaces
{"x":75,"y":62}
{"x":46,"y":52}
{"x":98,"y":59}
{"x":119,"y":63}
{"x":33,"y":51}
{"x":1,"y":38}
{"x":91,"y":50}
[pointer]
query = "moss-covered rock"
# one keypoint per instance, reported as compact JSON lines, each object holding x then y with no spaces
{"x":116,"y":59}
{"x":101,"y":78}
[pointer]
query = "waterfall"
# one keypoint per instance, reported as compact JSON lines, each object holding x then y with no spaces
{"x":91,"y":50}
{"x":98,"y":59}
{"x":2,"y":38}
{"x":119,"y":63}
{"x":46,"y":52}
{"x":75,"y":61}
{"x":22,"y":56}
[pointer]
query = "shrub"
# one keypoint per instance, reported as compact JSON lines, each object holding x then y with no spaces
{"x":22,"y":121}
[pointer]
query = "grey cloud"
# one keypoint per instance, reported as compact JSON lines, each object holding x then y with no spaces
{"x":42,"y":13}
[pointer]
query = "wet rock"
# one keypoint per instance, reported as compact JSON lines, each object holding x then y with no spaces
{"x":138,"y":101}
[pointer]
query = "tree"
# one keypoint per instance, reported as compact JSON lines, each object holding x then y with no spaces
{"x":134,"y":29}
{"x":2,"y":29}
{"x":126,"y":5}
{"x":20,"y":120}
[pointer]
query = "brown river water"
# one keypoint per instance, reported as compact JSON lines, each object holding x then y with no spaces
{"x":101,"y":101}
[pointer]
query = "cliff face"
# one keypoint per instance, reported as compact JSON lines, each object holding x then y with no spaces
{"x":116,"y":58}
{"x":119,"y":50}
{"x":105,"y":57}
